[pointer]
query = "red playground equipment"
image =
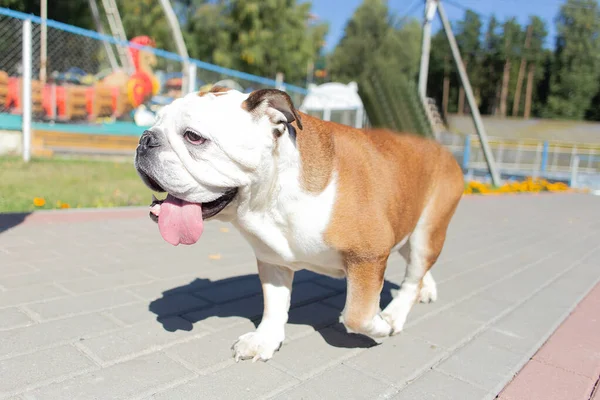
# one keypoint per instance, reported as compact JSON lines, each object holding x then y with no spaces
{"x":112,"y":97}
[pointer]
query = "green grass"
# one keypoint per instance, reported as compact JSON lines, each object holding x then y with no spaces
{"x":76,"y":182}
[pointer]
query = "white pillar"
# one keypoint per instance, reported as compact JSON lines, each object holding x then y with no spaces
{"x":359,"y":118}
{"x":26,"y":95}
{"x":192,"y":78}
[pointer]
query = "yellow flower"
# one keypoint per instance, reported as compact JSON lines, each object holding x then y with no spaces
{"x":65,"y":205}
{"x":39,"y":201}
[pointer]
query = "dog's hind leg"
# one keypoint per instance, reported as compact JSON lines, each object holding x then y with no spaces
{"x":421,"y":251}
{"x":428,"y":292}
{"x":277,"y":289}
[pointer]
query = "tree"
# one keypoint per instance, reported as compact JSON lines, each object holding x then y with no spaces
{"x":575,"y":74}
{"x":522,"y":66}
{"x":511,"y":38}
{"x":491,"y":68}
{"x":535,"y":58}
{"x":146,"y":18}
{"x":262,"y":37}
{"x":70,"y":12}
{"x":441,"y":69}
{"x":364,"y":34}
{"x":469,"y":43}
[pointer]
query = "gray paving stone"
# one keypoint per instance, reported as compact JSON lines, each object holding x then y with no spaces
{"x":398,"y":359}
{"x":306,"y":292}
{"x":456,"y":328}
{"x":336,"y":301}
{"x":176,"y":304}
{"x":132,"y":313}
{"x":85,"y":303}
{"x":12,"y":318}
{"x":236,"y":289}
{"x":178,"y":284}
{"x":481,"y":364}
{"x":138,"y":338}
{"x":14,"y":268}
{"x":30,"y":294}
{"x":169,"y":294}
{"x":479,"y":308}
{"x":118,"y":381}
{"x":104,"y":282}
{"x":210,"y":352}
{"x":20,"y":372}
{"x":306,"y":319}
{"x":29,"y":338}
{"x":316,"y":352}
{"x":339,"y":382}
{"x":437,"y":386}
{"x":43,"y":276}
{"x":243,"y":380}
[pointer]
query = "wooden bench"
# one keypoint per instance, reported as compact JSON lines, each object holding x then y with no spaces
{"x":99,"y":102}
{"x":14,"y":96}
{"x":121,"y":104}
{"x":49,"y":142}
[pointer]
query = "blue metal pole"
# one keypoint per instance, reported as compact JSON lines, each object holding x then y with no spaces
{"x":545,"y":156}
{"x":466,"y":152}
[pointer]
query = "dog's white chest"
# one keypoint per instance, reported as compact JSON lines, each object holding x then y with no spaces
{"x":291,"y":233}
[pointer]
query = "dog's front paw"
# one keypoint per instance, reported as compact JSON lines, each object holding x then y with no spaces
{"x":255,"y":345}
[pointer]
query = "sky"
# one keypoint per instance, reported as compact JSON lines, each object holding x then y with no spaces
{"x":337,"y":13}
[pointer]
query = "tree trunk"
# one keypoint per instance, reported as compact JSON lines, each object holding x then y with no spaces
{"x":504,"y":91}
{"x":446,"y":89}
{"x":505,"y":80}
{"x":529,"y":91}
{"x":461,"y":94}
{"x":517,"y":99}
{"x":445,"y":95}
{"x":496,"y":108}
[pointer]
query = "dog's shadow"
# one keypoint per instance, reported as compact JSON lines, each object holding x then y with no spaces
{"x":316,"y":301}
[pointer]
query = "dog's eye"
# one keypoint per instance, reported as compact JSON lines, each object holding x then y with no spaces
{"x":193,"y":138}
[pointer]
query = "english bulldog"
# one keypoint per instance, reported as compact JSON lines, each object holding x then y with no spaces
{"x":306,"y":194}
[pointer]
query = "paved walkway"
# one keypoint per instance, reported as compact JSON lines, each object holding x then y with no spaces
{"x":101,"y":307}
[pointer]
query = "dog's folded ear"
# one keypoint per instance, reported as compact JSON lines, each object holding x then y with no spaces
{"x":275,"y":103}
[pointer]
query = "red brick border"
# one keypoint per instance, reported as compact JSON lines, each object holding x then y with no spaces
{"x":567,"y":366}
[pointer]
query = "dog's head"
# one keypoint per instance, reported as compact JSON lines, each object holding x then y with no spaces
{"x":204,"y":148}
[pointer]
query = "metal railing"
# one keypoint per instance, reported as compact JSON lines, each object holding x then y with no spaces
{"x":550,"y":159}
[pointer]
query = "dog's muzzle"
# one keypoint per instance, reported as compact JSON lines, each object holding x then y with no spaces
{"x":148,"y":141}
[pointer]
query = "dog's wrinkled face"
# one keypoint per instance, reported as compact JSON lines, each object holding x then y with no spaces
{"x":203,"y":148}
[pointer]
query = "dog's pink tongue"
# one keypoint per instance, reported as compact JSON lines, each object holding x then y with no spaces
{"x":180,"y":221}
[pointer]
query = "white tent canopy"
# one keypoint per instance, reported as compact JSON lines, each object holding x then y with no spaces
{"x":337,"y":97}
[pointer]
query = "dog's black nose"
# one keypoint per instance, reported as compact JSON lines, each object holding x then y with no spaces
{"x":148,"y":140}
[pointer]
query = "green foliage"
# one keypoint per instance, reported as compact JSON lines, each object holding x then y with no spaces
{"x":68,"y":11}
{"x":575,"y":75}
{"x":262,"y":37}
{"x":372,"y":34}
{"x":146,"y":18}
{"x":381,"y":53}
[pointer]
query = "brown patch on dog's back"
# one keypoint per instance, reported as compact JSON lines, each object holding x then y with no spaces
{"x":385,"y":180}
{"x":216,"y":90}
{"x":316,"y":147}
